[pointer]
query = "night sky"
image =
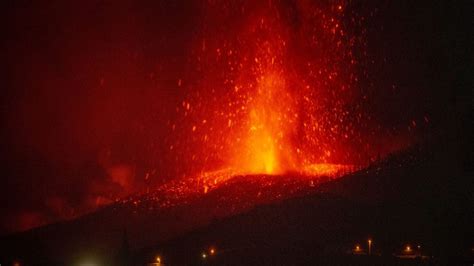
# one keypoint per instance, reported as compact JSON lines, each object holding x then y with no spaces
{"x":91,"y":90}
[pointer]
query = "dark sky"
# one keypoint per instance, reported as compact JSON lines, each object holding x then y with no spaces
{"x":89,"y":89}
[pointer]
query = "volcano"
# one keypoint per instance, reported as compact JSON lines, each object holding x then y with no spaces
{"x":243,"y":132}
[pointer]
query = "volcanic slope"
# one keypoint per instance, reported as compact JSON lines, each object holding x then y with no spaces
{"x":421,"y":194}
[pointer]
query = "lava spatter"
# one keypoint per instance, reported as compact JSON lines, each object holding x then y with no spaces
{"x":274,"y":91}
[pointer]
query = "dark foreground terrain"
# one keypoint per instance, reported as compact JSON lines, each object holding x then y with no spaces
{"x":419,"y":197}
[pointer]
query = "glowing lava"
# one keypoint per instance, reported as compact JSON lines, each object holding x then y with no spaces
{"x":277,"y":93}
{"x":265,"y":140}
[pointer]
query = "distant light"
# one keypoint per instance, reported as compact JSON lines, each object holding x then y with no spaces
{"x":158,"y":259}
{"x":408,"y":248}
{"x":212,"y":251}
{"x":204,"y":255}
{"x":88,"y":264}
{"x":370,"y":246}
{"x":357,"y":248}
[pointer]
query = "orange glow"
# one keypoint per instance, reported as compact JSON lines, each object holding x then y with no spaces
{"x":212,"y":251}
{"x":408,"y":249}
{"x":327,"y":169}
{"x":264,"y":138}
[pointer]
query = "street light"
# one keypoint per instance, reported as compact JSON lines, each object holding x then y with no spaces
{"x":408,"y":249}
{"x":370,"y":245}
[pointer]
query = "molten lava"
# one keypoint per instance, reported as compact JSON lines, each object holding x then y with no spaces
{"x":266,"y":147}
